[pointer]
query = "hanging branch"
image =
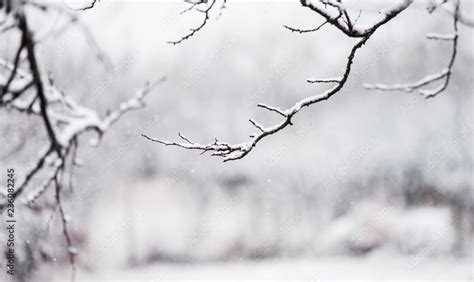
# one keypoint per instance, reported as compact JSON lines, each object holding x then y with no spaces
{"x":337,"y":17}
{"x":232,"y":152}
{"x":423,"y":85}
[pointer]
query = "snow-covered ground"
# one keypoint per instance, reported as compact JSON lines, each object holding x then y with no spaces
{"x":377,"y":266}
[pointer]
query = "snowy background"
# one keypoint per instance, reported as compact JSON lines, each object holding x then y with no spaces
{"x":367,"y":185}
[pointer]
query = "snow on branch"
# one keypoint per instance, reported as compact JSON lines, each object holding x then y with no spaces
{"x":68,"y":120}
{"x":230,"y":152}
{"x":409,"y":87}
{"x":424,"y":86}
{"x":325,"y":80}
{"x":26,"y":89}
{"x":335,"y":14}
{"x":436,"y":36}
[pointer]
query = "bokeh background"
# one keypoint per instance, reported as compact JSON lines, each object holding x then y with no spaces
{"x":367,"y":185}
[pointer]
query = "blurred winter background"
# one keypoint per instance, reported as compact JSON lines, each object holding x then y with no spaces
{"x":367,"y":185}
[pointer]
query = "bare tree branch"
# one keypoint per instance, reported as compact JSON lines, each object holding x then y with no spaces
{"x":87,"y":7}
{"x":73,"y":20}
{"x":453,"y":10}
{"x":203,"y":7}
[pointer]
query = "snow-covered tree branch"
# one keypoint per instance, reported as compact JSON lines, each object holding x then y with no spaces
{"x":335,"y":14}
{"x":27,"y":89}
{"x":444,"y":75}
